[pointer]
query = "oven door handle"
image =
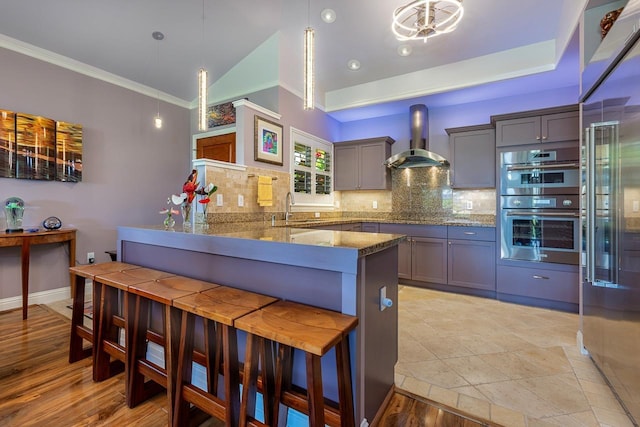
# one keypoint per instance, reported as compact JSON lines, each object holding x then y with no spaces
{"x":550,"y":166}
{"x":554,"y":214}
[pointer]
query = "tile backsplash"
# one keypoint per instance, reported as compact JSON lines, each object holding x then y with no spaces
{"x":417,"y":193}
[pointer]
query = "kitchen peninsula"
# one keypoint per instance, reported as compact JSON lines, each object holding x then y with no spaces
{"x":337,"y":270}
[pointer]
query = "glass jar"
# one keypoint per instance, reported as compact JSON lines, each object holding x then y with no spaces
{"x":14,"y":211}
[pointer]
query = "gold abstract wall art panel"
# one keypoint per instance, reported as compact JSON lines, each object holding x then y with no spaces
{"x":39,"y":148}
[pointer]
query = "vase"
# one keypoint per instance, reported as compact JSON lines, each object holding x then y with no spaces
{"x":185,"y":209}
{"x":169,"y":222}
{"x":14,"y":210}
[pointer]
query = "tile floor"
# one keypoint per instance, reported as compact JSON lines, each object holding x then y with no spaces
{"x":512,"y":364}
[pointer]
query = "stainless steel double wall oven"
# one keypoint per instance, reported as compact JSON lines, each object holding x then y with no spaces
{"x":539,"y":204}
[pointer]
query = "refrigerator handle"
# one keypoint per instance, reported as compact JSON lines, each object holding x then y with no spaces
{"x":614,"y":200}
{"x":590,"y":203}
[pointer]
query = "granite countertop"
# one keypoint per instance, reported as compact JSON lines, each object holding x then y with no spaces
{"x":302,"y":231}
{"x":364,"y":243}
{"x":467,"y":221}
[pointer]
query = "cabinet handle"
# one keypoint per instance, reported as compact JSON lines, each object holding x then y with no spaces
{"x":538,"y":138}
{"x":544,"y":137}
{"x":535,"y":276}
{"x":449,"y":243}
{"x":470,"y":233}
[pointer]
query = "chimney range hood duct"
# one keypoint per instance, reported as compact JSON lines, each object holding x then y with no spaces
{"x":418,"y":155}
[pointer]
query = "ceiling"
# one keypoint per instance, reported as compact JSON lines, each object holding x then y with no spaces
{"x":496,"y":40}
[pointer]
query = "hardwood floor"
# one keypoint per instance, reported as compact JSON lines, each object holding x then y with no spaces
{"x":408,"y":410}
{"x":38,"y":386}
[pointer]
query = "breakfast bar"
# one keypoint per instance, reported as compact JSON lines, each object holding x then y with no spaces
{"x":348,"y":272}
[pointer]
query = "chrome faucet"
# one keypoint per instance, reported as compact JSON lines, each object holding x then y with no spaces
{"x":289,"y":202}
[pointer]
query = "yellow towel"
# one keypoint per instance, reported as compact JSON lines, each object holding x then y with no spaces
{"x":265,"y":191}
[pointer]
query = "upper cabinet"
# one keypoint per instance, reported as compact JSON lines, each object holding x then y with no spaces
{"x":473,"y":156}
{"x":359,"y":165}
{"x":535,"y":127}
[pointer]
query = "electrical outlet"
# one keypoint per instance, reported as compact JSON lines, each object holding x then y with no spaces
{"x":636,"y":205}
{"x":469,"y":204}
{"x":219,"y":200}
{"x":316,"y":214}
{"x":91,"y":257}
{"x":375,"y":204}
{"x":384,"y":301}
{"x":240,"y":200}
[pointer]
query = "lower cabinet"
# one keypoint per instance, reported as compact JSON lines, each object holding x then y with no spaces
{"x":472,"y":264}
{"x":370,"y":227}
{"x":535,"y":282}
{"x":429,"y":260}
{"x":447,"y":255}
{"x":353,"y":226}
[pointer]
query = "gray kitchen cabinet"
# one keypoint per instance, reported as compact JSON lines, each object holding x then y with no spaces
{"x":359,"y":164}
{"x":429,"y":260}
{"x":370,"y":227}
{"x":423,"y":256}
{"x":352,"y":226}
{"x":537,"y":282}
{"x":472,"y":152}
{"x":540,"y":126}
{"x":335,"y":227}
{"x":447,"y":255}
{"x":404,"y":259}
{"x":472,"y":257}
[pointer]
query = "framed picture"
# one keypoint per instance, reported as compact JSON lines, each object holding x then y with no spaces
{"x":221,"y":114}
{"x":268,"y":141}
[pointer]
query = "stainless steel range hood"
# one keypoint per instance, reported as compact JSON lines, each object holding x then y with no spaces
{"x":418,"y":155}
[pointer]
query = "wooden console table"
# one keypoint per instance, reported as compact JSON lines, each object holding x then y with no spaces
{"x":25,"y":240}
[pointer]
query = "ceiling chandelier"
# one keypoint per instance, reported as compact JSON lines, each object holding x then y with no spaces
{"x":422,"y":19}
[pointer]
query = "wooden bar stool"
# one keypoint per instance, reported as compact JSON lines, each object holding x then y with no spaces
{"x":112,"y":312}
{"x":162,"y":291}
{"x":314,"y":331}
{"x":220,"y":307}
{"x":79,"y":332}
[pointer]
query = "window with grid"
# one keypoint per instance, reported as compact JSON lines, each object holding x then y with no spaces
{"x":312,"y":170}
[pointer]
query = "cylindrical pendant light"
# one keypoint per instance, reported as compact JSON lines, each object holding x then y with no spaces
{"x":202,"y":99}
{"x":202,"y":87}
{"x":308,"y":102}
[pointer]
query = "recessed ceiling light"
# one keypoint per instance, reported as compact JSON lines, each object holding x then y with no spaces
{"x":328,"y":15}
{"x":404,"y":50}
{"x":353,"y":65}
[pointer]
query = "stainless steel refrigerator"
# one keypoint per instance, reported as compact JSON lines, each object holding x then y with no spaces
{"x":611,"y":208}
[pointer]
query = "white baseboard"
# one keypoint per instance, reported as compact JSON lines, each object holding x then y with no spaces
{"x":44,"y":297}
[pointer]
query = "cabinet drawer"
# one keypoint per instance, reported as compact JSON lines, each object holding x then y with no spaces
{"x":538,"y":283}
{"x":434,"y":231}
{"x":370,"y":227}
{"x":472,"y":233}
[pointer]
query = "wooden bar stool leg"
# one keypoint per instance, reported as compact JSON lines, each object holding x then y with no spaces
{"x":76,"y":351}
{"x":231,"y":374}
{"x":136,"y":345}
{"x":249,"y":380}
{"x":314,"y":390}
{"x":268,"y":379}
{"x":345,"y":393}
{"x":213,"y":354}
{"x":284,"y":369}
{"x":184,"y":372}
{"x":172,"y":349}
{"x":104,"y":330}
